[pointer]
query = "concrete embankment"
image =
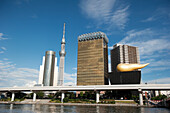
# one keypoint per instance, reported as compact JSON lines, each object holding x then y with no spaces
{"x":46,"y":101}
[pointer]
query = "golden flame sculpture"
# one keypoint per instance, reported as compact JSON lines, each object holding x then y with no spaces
{"x":130,"y":67}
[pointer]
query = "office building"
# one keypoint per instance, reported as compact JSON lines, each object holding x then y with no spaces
{"x":48,"y":74}
{"x":124,"y":54}
{"x":92,"y":62}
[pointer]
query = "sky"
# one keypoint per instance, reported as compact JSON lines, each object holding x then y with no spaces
{"x":28,"y":28}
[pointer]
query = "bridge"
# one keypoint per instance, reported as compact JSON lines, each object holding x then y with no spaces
{"x":97,"y":88}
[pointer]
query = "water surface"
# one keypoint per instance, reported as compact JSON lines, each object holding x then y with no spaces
{"x":32,"y":108}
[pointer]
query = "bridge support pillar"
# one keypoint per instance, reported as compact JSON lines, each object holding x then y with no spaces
{"x":140,"y":97}
{"x":34,"y":96}
{"x":62,"y":96}
{"x":97,"y":96}
{"x":13,"y":96}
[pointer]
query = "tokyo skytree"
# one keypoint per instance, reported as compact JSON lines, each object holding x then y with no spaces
{"x":62,"y":54}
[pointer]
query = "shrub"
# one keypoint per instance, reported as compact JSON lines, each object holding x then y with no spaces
{"x":107,"y":101}
{"x":66,"y":99}
{"x":57,"y":101}
{"x":160,"y":97}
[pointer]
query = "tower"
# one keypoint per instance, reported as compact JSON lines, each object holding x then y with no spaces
{"x":92,"y":62}
{"x":62,"y":54}
{"x":48,"y":74}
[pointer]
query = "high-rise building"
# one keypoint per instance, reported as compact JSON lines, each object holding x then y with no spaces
{"x":48,"y":74}
{"x":62,"y":54}
{"x":92,"y":62}
{"x":124,"y":54}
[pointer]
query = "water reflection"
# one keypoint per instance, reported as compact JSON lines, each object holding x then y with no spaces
{"x":97,"y":109}
{"x":33,"y":107}
{"x":62,"y":109}
{"x":37,"y":108}
{"x":11,"y":106}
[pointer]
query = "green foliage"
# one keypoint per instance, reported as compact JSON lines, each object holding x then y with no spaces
{"x":50,"y":96}
{"x":5,"y":99}
{"x":81,"y":94}
{"x":127,"y":102}
{"x":86,"y":95}
{"x":66,"y":99}
{"x":107,"y":101}
{"x":72,"y":95}
{"x":55,"y":101}
{"x":134,"y":97}
{"x":40,"y":95}
{"x":18,"y":99}
{"x":160,"y":97}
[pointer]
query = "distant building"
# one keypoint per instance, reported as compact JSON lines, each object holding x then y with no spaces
{"x":124,"y":54}
{"x":48,"y":74}
{"x":92,"y":62}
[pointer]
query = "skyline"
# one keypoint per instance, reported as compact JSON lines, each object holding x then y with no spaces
{"x":29,"y":28}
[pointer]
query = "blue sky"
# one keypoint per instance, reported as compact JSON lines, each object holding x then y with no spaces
{"x":28,"y":28}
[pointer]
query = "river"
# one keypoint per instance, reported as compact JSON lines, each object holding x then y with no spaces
{"x":39,"y":108}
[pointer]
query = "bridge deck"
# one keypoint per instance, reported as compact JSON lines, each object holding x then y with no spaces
{"x":88,"y":88}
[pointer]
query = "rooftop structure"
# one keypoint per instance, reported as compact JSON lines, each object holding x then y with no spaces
{"x":92,"y":36}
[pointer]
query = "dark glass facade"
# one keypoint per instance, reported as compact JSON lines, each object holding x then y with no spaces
{"x":133,"y":77}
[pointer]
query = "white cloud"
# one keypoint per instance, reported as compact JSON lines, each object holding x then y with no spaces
{"x":1,"y":52}
{"x":16,"y":76}
{"x":74,"y":68}
{"x":147,"y":40}
{"x":120,"y":17}
{"x":25,"y":76}
{"x":149,"y":19}
{"x":159,"y":81}
{"x":137,"y":35}
{"x":70,"y":79}
{"x":110,"y":47}
{"x":153,"y":46}
{"x":106,"y":12}
{"x":159,"y":14}
{"x":3,"y":48}
{"x":5,"y":59}
{"x":30,"y":83}
{"x":69,"y":84}
{"x":1,"y":37}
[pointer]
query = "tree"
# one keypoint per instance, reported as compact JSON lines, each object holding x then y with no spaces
{"x":72,"y":95}
{"x":86,"y":95}
{"x":81,"y":94}
{"x":40,"y":94}
{"x":160,"y":97}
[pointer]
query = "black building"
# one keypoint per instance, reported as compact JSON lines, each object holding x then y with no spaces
{"x":124,"y":54}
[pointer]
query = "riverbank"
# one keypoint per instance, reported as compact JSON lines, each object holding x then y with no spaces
{"x":46,"y":102}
